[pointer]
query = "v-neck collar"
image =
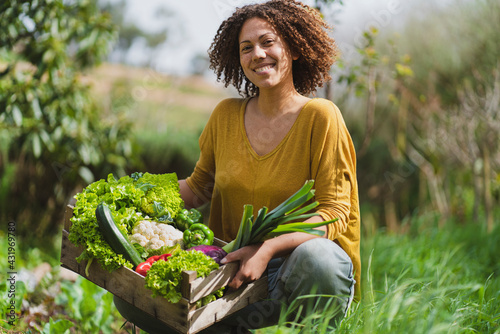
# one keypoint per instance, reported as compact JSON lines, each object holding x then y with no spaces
{"x":247,"y":141}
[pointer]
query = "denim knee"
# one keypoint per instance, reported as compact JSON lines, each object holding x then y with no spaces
{"x":316,"y":267}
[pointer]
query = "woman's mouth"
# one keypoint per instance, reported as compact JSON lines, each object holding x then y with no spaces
{"x":263,"y":68}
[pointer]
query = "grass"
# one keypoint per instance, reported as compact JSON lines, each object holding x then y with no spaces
{"x":153,"y":101}
{"x":436,"y":280}
{"x":173,"y":150}
{"x":166,"y":113}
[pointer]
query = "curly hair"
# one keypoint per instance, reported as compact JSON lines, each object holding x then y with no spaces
{"x":303,"y":30}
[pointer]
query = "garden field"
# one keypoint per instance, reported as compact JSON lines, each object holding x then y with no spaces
{"x":430,"y":280}
{"x":421,"y":100}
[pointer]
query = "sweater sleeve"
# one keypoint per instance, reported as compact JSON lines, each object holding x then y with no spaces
{"x":333,"y":165}
{"x":211,"y":142}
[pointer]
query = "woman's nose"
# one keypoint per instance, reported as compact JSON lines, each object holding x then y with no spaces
{"x":259,"y":53}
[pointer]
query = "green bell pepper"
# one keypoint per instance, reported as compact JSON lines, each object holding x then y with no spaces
{"x":198,"y":234}
{"x":186,"y":218}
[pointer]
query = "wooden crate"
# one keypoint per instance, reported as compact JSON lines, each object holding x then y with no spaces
{"x":184,"y":316}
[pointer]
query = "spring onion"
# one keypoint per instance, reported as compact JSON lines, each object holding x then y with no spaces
{"x":279,"y":220}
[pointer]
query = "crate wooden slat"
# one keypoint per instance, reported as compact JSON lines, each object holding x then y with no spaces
{"x":227,"y":305}
{"x":182,"y":316}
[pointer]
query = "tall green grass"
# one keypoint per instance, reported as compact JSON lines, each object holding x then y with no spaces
{"x":174,"y":150}
{"x":435,"y":280}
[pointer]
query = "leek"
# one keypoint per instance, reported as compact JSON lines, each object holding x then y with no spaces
{"x":277,"y":221}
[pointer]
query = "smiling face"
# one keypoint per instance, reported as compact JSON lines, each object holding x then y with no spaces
{"x":264,"y":56}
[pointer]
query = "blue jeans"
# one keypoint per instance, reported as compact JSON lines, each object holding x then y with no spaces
{"x":316,"y":276}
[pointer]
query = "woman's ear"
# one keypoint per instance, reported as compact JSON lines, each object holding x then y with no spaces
{"x":295,"y":56}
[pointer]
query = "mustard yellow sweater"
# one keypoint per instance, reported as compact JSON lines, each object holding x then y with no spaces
{"x":318,"y":146}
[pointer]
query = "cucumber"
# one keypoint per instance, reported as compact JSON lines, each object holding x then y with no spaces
{"x":114,"y":236}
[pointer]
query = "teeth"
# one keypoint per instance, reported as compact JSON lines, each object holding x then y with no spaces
{"x":262,"y":69}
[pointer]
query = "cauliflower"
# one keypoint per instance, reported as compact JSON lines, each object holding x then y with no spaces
{"x":143,"y":228}
{"x":152,"y":235}
{"x":162,"y":195}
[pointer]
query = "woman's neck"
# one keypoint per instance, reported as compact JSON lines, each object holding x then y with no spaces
{"x":273,"y":103}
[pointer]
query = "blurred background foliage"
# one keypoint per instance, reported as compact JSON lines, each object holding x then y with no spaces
{"x":422,"y":109}
{"x":54,"y":138}
{"x":421,"y":100}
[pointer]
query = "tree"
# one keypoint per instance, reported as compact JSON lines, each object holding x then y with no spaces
{"x":433,"y":100}
{"x":322,"y":6}
{"x":53,"y":136}
{"x":452,"y":107}
{"x":129,"y":32}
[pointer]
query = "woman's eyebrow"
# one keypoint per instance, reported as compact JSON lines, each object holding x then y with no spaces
{"x":260,"y":37}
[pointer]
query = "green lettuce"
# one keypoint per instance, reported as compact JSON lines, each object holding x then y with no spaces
{"x":164,"y":277}
{"x":125,"y":198}
{"x":161,"y":195}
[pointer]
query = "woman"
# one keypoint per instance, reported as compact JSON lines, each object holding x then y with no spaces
{"x":260,"y":149}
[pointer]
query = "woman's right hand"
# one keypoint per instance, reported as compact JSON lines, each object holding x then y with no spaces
{"x":253,"y":262}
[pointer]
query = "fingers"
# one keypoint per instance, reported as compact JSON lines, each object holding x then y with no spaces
{"x":241,"y":277}
{"x":236,"y":282}
{"x":226,"y":259}
{"x":231,"y":257}
{"x":251,"y":266}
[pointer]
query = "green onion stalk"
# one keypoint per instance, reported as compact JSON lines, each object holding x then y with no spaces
{"x":279,"y":220}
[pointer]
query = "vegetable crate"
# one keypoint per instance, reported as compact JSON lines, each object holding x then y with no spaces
{"x":184,"y":316}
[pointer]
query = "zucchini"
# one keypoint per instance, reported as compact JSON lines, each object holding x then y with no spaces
{"x":114,"y":236}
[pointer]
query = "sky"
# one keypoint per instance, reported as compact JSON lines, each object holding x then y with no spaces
{"x":194,"y":23}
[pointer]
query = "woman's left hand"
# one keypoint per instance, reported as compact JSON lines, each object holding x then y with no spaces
{"x":253,"y":262}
